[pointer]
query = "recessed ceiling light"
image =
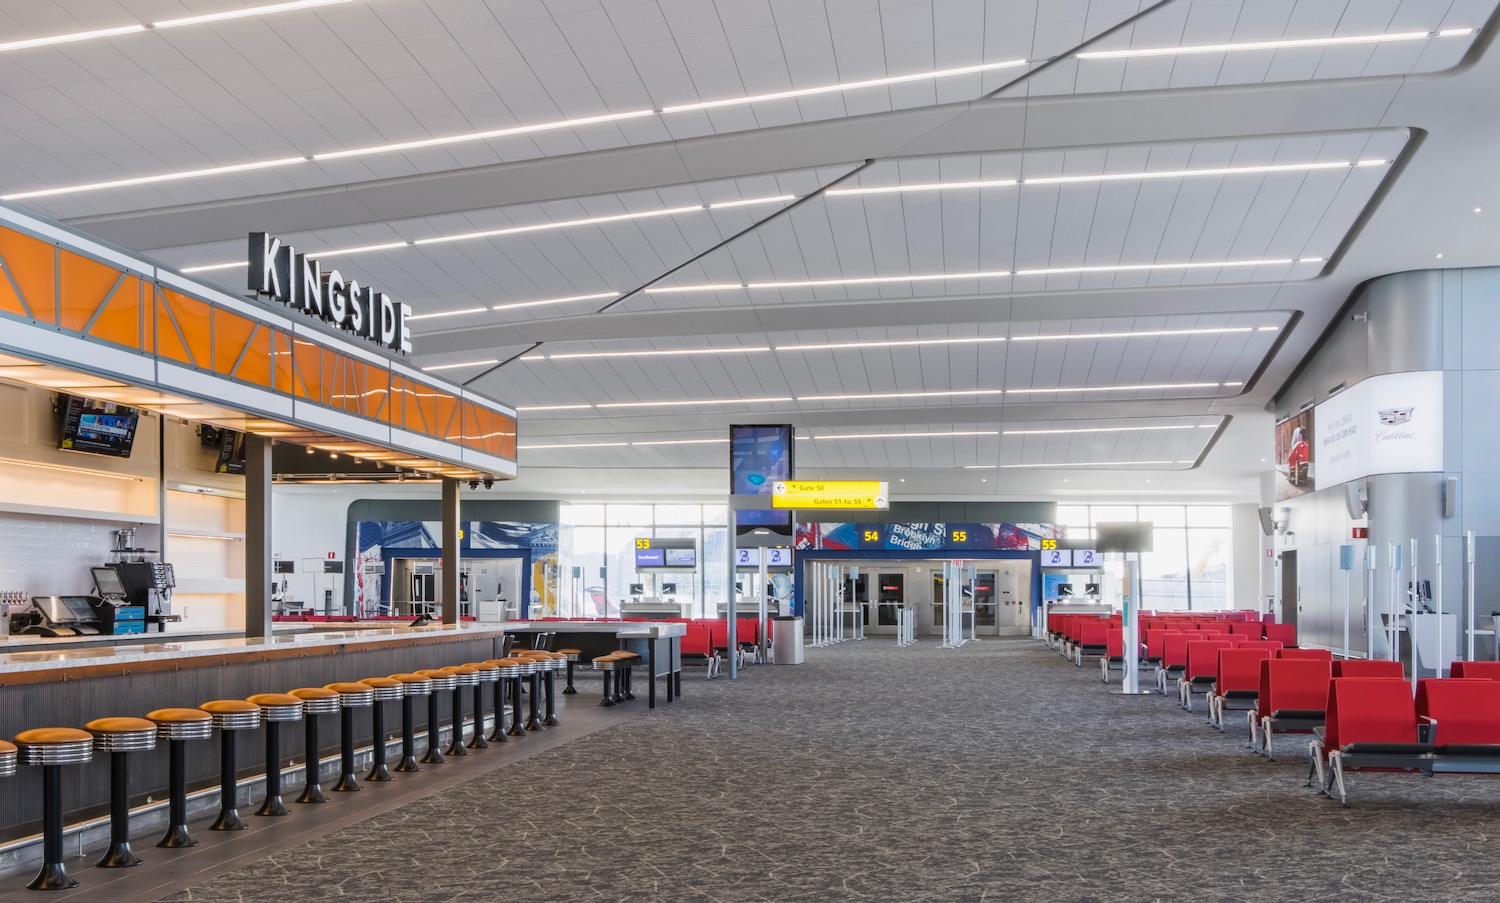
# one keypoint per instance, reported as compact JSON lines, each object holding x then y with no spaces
{"x":1100,"y":429}
{"x":750,"y":201}
{"x":1144,"y":333}
{"x":484,"y":136}
{"x":722,"y":441}
{"x":706,"y":402}
{"x":1141,"y":267}
{"x":672,"y":352}
{"x":710,"y":287}
{"x":456,"y":366}
{"x":1309,"y":260}
{"x":554,"y":407}
{"x":70,"y":38}
{"x":908,"y":435}
{"x":1088,"y":464}
{"x":519,"y":304}
{"x":895,"y":343}
{"x":160,"y":177}
{"x":448,"y":313}
{"x":1478,"y":209}
{"x":238,"y":264}
{"x":1241,"y":46}
{"x":841,"y":86}
{"x":1440,"y":255}
{"x":571,"y":445}
{"x":1191,"y":173}
{"x":1141,"y":388}
{"x":875,"y":280}
{"x":243,"y":13}
{"x":870,"y":396}
{"x":560,"y":224}
{"x":921,"y":186}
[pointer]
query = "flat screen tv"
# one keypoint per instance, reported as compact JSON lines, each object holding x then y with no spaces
{"x":681,"y":558}
{"x":96,"y":427}
{"x":759,"y":455}
{"x":231,"y":452}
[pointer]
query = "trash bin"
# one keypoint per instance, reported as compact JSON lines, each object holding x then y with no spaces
{"x":786,"y":641}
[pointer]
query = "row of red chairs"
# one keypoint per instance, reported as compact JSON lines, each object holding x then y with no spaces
{"x":1452,"y":726}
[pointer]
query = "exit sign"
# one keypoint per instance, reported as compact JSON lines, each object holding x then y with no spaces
{"x":1361,"y":532}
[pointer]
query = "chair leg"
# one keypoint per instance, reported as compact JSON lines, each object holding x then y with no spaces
{"x":347,"y":783}
{"x":549,"y":683}
{"x":534,"y":703}
{"x":177,"y":835}
{"x":498,"y":734}
{"x":477,"y":741}
{"x":517,"y":720}
{"x":568,"y":690}
{"x":378,"y":768}
{"x":609,"y":698}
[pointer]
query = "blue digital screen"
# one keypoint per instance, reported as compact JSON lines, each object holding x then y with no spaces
{"x":650,"y":558}
{"x":759,"y":455}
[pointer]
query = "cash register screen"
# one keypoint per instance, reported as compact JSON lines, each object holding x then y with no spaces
{"x":65,"y":609}
{"x":108,"y":582}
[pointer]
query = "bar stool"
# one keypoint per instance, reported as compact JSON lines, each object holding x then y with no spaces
{"x":607,"y":664}
{"x":553,"y":662}
{"x":497,"y":734}
{"x":488,"y":674}
{"x":440,"y":680}
{"x":537,"y":662}
{"x":119,"y":737}
{"x":572,"y":655}
{"x":386,"y":690}
{"x":52,"y":748}
{"x":315,"y":701}
{"x":351,"y":696}
{"x":413,"y":685}
{"x":229,"y":716}
{"x":177,"y":727}
{"x":512,"y":669}
{"x":274,"y":709}
{"x":631,"y":660}
{"x":7,"y":759}
{"x":466,"y":677}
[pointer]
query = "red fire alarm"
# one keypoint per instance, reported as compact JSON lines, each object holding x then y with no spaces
{"x":1361,"y":532}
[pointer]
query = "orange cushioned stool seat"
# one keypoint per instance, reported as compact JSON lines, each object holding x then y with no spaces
{"x":352,"y":695}
{"x":230,"y":716}
{"x":315,"y":701}
{"x":412,"y":685}
{"x":52,"y":748}
{"x":386,"y":690}
{"x":179,"y":727}
{"x":7,"y":759}
{"x":275,"y":708}
{"x":120,"y":737}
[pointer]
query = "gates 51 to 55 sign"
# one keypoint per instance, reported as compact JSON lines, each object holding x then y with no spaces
{"x":846,"y":495}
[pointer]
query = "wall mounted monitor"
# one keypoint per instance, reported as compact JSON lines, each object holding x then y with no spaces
{"x":95,"y":427}
{"x":650,"y":558}
{"x":1123,"y":536}
{"x":681,"y":558}
{"x":231,"y":452}
{"x":759,"y":455}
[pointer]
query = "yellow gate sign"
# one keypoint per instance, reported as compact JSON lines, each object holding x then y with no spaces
{"x":848,"y":494}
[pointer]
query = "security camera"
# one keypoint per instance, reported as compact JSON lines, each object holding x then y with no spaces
{"x":489,"y":484}
{"x":473,"y":484}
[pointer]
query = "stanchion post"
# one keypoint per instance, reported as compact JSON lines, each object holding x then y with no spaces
{"x":1469,"y":589}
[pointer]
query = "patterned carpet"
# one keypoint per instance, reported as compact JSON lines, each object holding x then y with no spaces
{"x":992,"y":772}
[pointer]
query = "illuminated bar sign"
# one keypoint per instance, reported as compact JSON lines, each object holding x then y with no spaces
{"x":281,"y":272}
{"x":848,"y":495}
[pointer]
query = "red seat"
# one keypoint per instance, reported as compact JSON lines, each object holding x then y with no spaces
{"x":1362,"y":667}
{"x":1114,"y":653}
{"x":1371,"y":725}
{"x":1314,"y":655}
{"x":1249,"y":629}
{"x":1214,"y":627}
{"x":1093,"y":639}
{"x":1272,"y":646}
{"x":1462,"y":716}
{"x":1173,"y":658}
{"x":1292,"y":698}
{"x":1238,"y":683}
{"x":1482,"y":670}
{"x":1202,"y":669}
{"x":1286,"y":633}
{"x":698,"y":644}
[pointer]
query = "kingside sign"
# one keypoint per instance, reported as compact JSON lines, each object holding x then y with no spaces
{"x":280,"y":271}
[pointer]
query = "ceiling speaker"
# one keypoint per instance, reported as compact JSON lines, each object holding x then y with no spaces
{"x":1354,"y":499}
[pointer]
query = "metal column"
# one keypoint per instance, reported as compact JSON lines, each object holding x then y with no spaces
{"x":451,"y":557}
{"x":258,"y":576}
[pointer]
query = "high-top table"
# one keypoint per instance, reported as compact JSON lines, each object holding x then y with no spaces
{"x":658,"y":642}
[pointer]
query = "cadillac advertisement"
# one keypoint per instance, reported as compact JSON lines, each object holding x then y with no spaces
{"x":1386,"y":424}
